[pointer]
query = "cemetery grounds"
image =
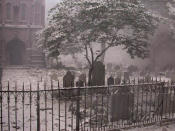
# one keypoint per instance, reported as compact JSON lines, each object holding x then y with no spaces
{"x":23,"y":110}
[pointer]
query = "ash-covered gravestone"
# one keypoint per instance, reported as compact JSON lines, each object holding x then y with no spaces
{"x":148,"y":78}
{"x":98,"y":74}
{"x":118,"y":80}
{"x":68,"y":80}
{"x":164,"y":103}
{"x":79,"y":83}
{"x":110,"y":80}
{"x":82,"y":77}
{"x":126,"y":76}
{"x":122,"y":104}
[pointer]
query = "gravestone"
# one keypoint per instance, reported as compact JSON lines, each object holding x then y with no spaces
{"x":110,"y":80}
{"x":172,"y":77}
{"x":98,"y":74}
{"x":148,"y":78}
{"x":172,"y":109}
{"x":118,"y":80}
{"x":141,"y":80}
{"x":126,"y":76}
{"x":68,"y":80}
{"x":163,"y":101}
{"x":54,"y":76}
{"x":122,"y":104}
{"x":82,"y":77}
{"x":80,"y":83}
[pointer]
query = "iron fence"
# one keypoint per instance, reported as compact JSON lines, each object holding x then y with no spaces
{"x":85,"y":108}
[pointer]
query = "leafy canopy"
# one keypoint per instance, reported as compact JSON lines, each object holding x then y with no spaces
{"x":77,"y":25}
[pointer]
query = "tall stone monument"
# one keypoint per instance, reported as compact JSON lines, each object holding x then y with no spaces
{"x":68,"y":80}
{"x":98,"y":74}
{"x":110,"y":80}
{"x":122,"y":104}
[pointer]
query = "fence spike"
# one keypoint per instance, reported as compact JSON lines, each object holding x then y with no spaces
{"x":30,"y":106}
{"x":38,"y":108}
{"x":23,"y":104}
{"x":8,"y":97}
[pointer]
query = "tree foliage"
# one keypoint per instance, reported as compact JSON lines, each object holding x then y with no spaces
{"x":78,"y":25}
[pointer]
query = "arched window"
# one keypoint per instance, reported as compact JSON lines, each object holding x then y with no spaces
{"x":32,"y":14}
{"x":23,"y":11}
{"x":37,"y":14}
{"x":42,"y":15}
{"x":15,"y":13}
{"x":8,"y":10}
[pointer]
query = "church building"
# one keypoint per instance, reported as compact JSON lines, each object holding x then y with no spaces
{"x":19,"y":21}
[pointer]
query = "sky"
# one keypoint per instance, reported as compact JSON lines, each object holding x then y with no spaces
{"x":51,"y":3}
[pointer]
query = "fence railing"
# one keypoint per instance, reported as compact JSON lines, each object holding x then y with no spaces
{"x":85,"y":108}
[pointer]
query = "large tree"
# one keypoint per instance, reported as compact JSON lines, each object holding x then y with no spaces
{"x":79,"y":25}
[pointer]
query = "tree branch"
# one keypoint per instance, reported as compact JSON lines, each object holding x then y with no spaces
{"x":92,"y":55}
{"x":103,"y":51}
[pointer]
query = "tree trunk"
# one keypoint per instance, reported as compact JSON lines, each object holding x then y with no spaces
{"x":90,"y":76}
{"x":103,"y":46}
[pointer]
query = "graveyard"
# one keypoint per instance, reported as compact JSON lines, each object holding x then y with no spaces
{"x":111,"y":103}
{"x":87,"y":65}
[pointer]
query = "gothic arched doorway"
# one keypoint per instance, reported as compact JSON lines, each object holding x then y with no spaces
{"x":16,"y":52}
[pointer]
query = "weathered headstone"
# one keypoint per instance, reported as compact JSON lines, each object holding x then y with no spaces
{"x":82,"y":77}
{"x":122,"y":104}
{"x":172,"y":77}
{"x":118,"y":80}
{"x":148,"y":78}
{"x":98,"y":74}
{"x":110,"y":80}
{"x":80,"y":83}
{"x":141,"y":80}
{"x":164,"y":104}
{"x":68,"y":80}
{"x":126,"y":76}
{"x":54,"y":76}
{"x":172,"y":103}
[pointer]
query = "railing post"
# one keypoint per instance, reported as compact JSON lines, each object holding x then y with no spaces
{"x":59,"y":107}
{"x":1,"y":105}
{"x":163,"y":92}
{"x":8,"y":104}
{"x":23,"y":106}
{"x":38,"y":108}
{"x":78,"y":111}
{"x":52,"y":104}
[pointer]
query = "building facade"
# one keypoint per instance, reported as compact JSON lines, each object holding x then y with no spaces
{"x":19,"y":21}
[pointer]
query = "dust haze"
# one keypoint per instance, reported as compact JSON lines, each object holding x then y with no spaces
{"x":163,"y":43}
